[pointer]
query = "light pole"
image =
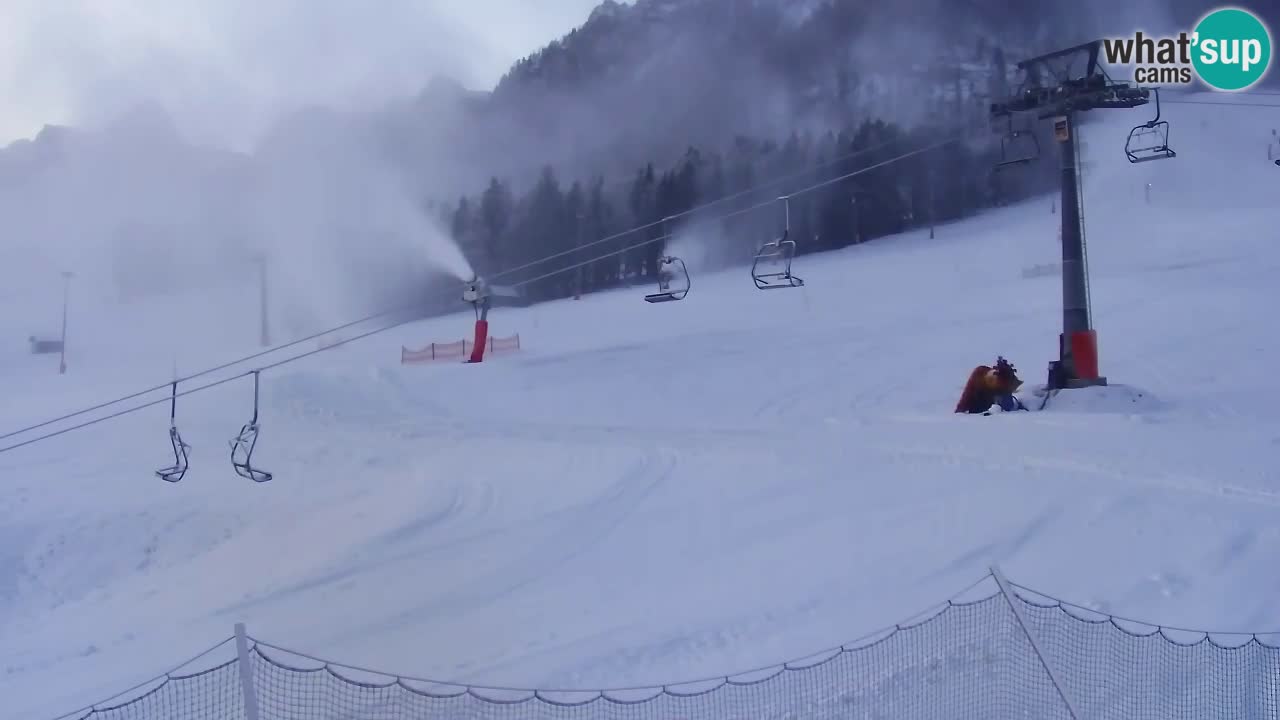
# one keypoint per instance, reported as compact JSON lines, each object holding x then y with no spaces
{"x":857,"y":230}
{"x":265,"y":338}
{"x":931,"y":205}
{"x":857,"y":214}
{"x":62,"y":346}
{"x":577,"y":243}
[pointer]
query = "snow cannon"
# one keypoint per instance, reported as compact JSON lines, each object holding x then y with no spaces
{"x":476,"y":291}
{"x":480,"y":294}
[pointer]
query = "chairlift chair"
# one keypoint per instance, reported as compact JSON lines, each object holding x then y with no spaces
{"x":1017,"y":147}
{"x":242,"y":445}
{"x":1150,"y":140}
{"x":772,"y":254}
{"x":666,"y":291}
{"x":775,"y":253}
{"x":178,"y":469}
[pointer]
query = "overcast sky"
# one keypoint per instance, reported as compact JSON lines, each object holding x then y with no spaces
{"x":224,"y":67}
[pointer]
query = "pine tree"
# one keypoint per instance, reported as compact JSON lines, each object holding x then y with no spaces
{"x":495,"y":213}
{"x":643,"y":205}
{"x":599,"y":225}
{"x":575,"y":216}
{"x":544,"y":235}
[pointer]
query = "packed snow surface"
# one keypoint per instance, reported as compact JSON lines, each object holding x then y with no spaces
{"x":645,"y":493}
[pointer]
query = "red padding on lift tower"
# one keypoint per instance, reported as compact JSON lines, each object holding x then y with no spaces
{"x":1084,"y":354}
{"x":482,"y":332}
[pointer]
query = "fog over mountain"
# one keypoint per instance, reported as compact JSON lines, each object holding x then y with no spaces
{"x":337,"y":140}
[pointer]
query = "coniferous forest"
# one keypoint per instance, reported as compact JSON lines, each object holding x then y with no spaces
{"x":857,"y":94}
{"x":614,"y":228}
{"x":600,"y":203}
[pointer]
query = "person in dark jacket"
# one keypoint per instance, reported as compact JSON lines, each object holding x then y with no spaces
{"x":989,"y":386}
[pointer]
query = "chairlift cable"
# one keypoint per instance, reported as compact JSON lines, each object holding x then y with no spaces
{"x":343,"y":341}
{"x":119,"y":413}
{"x":1224,"y":104}
{"x":416,"y":305}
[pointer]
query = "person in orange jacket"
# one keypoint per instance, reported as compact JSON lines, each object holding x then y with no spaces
{"x":989,"y":386}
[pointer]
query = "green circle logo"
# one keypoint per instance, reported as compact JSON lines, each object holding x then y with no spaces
{"x":1232,"y":49}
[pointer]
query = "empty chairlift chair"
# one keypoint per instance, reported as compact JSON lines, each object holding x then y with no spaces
{"x":672,"y":285}
{"x":242,"y":445}
{"x":1017,"y":146}
{"x":1150,"y":140}
{"x":771,"y":268}
{"x":178,"y":469}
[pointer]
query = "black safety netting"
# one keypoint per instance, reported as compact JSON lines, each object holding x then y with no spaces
{"x":971,"y":658}
{"x":212,"y":694}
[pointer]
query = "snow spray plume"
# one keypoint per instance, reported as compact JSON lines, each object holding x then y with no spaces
{"x":695,"y":245}
{"x":133,"y":211}
{"x":340,"y":224}
{"x":343,"y":234}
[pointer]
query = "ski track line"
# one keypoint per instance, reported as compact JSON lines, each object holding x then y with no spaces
{"x":754,"y":439}
{"x":874,"y":395}
{"x":538,"y":430}
{"x":467,"y":502}
{"x":802,"y":393}
{"x":566,"y":542}
{"x":1170,"y":481}
{"x":684,"y":646}
{"x":470,"y":535}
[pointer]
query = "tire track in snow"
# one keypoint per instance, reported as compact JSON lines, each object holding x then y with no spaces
{"x":728,"y":438}
{"x":566,"y":540}
{"x":464,"y":502}
{"x":809,"y":385}
{"x":751,"y":439}
{"x":1148,"y":475}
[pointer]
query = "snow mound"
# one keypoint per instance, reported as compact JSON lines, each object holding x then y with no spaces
{"x":1108,"y":399}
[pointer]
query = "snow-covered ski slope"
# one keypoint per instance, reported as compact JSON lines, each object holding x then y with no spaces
{"x":646,"y":494}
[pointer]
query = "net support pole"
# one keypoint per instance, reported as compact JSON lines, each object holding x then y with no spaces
{"x":249,"y":692}
{"x":1007,"y":592}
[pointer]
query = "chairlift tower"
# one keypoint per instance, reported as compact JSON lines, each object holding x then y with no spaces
{"x":1053,"y":86}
